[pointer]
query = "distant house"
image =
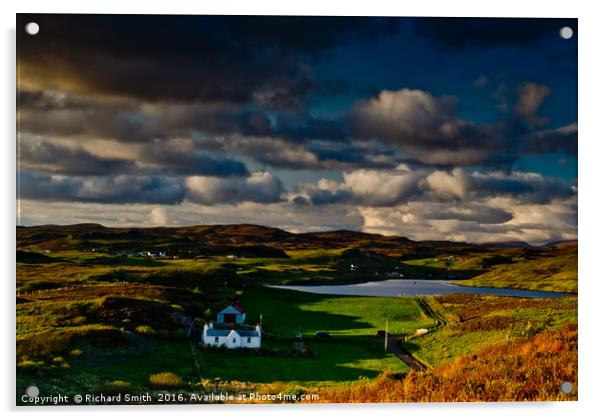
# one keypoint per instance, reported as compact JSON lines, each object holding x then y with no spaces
{"x":231,"y":314}
{"x":230,"y":332}
{"x":231,"y":338}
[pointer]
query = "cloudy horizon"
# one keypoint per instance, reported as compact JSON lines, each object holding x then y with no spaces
{"x":429,"y":128}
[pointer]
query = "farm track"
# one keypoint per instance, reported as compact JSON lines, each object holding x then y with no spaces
{"x":431,"y":307}
{"x":404,"y":355}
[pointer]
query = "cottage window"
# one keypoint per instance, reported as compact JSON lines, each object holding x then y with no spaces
{"x":234,"y":340}
{"x":248,"y":339}
{"x":217,"y":339}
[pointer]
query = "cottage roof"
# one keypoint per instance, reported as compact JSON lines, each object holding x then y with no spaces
{"x":232,"y":309}
{"x":224,"y":333}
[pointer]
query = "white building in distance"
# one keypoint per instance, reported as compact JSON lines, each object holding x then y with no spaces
{"x":231,"y":336}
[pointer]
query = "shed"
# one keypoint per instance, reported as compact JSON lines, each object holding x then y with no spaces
{"x":231,"y":314}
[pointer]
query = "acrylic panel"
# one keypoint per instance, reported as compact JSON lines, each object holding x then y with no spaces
{"x":290,"y":209}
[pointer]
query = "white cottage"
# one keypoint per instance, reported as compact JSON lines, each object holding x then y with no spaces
{"x":223,"y":335}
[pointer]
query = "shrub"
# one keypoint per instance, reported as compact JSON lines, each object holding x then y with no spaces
{"x":145,"y":330}
{"x":165,"y":380}
{"x":60,"y":361}
{"x":120,"y":386}
{"x":29,"y":364}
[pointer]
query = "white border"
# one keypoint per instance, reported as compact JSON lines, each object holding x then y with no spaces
{"x":590,"y":175}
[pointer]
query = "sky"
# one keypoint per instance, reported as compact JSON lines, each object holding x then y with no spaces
{"x":460,"y":129}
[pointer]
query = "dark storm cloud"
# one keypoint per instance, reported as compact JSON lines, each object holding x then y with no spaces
{"x":527,"y":188}
{"x":409,"y":126}
{"x":237,"y":59}
{"x":559,"y":140}
{"x":120,"y":189}
{"x":190,"y":161}
{"x":352,"y":156}
{"x":172,"y":158}
{"x":468,"y":213}
{"x":64,"y":114}
{"x":51,"y":158}
{"x":463,"y":33}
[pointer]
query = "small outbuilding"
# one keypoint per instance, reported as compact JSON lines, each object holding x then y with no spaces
{"x":231,"y":314}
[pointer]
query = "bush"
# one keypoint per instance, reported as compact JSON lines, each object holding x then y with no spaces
{"x":145,"y":330}
{"x":165,"y":380}
{"x":75,"y":352}
{"x":60,"y":361}
{"x":120,"y":385}
{"x":28,"y":364}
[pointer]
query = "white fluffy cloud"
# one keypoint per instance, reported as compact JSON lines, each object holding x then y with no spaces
{"x":426,"y":127}
{"x":486,"y":220}
{"x":258,"y":187}
{"x":382,"y":188}
{"x":398,"y":116}
{"x":455,"y":183}
{"x":158,"y":217}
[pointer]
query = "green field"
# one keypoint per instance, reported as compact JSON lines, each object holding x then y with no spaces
{"x":351,"y":353}
{"x":477,"y":322}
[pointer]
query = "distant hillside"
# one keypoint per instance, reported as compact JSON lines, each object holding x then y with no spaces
{"x":508,"y":244}
{"x":508,"y":264}
{"x":223,"y":239}
{"x":552,"y":267}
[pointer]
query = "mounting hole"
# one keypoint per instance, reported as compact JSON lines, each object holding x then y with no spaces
{"x":32,"y":28}
{"x":566,"y":387}
{"x":32,"y":391}
{"x":566,"y":32}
